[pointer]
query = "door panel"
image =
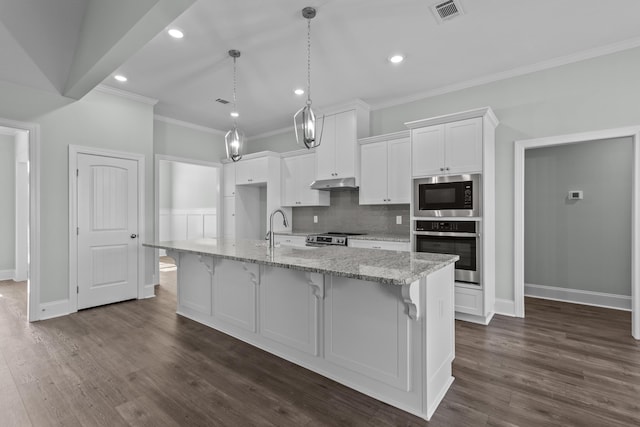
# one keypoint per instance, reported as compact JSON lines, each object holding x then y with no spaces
{"x":107,"y":218}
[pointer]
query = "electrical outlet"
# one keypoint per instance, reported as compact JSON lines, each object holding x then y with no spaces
{"x":315,"y":219}
{"x":399,"y":219}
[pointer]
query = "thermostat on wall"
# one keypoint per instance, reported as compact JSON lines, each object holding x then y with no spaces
{"x":575,"y":195}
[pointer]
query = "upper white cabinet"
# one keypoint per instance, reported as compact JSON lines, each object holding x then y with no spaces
{"x":228,"y":180}
{"x":298,"y":172}
{"x":252,"y":171}
{"x":336,"y":157}
{"x":384,"y":169}
{"x":448,"y":148}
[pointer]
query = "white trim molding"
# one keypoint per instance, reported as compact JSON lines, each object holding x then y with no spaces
{"x":505,"y":307}
{"x":515,"y":72}
{"x":74,"y":150}
{"x":188,"y":125}
{"x":126,"y":94}
{"x":519,"y":149}
{"x":7,"y":274}
{"x":578,"y":296}
{"x":49,"y":310}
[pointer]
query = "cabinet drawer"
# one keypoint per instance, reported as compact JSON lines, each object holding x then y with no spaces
{"x":377,"y":244}
{"x":469,"y":301}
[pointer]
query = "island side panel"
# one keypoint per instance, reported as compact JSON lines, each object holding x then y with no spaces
{"x":439,"y":336}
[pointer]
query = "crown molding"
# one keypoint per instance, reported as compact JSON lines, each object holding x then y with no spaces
{"x":271,"y":133}
{"x":9,"y":131}
{"x":385,"y":137}
{"x":189,"y":125}
{"x":125,"y":94}
{"x":515,"y":72}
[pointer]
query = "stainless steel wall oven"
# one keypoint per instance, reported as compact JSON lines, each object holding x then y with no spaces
{"x":452,"y":237}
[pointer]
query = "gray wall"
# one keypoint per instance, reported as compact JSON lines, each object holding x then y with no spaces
{"x":187,"y":186}
{"x":579,"y":244}
{"x":345,"y":214}
{"x":594,"y":94}
{"x":174,"y":140}
{"x":7,"y":204}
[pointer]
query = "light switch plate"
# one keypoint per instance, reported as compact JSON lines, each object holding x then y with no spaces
{"x":315,"y":219}
{"x":575,"y":195}
{"x":399,"y":219}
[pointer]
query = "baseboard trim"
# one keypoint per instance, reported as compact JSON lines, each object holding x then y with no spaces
{"x":7,"y":274}
{"x":49,"y":310}
{"x":481,"y":320}
{"x":149,"y":291}
{"x":577,"y":296}
{"x":505,"y":307}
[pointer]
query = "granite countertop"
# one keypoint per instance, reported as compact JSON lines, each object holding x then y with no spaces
{"x":388,"y":237}
{"x":388,"y":267}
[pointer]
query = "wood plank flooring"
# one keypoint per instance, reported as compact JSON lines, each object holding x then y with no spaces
{"x":139,"y":364}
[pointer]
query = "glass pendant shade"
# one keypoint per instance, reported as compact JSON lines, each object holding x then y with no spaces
{"x":234,"y":141}
{"x":305,"y":125}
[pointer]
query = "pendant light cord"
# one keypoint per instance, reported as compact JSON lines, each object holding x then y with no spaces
{"x":308,"y":61}
{"x":235,"y":105}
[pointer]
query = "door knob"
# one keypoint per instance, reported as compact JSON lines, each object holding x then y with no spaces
{"x":133,"y":236}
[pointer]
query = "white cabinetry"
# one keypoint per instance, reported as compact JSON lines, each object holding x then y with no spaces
{"x":255,"y":193}
{"x":384,"y":169}
{"x":290,"y":240}
{"x":229,"y":180}
{"x":463,"y":143}
{"x":336,"y":157}
{"x":298,"y":172}
{"x":448,"y":148}
{"x":380,"y":244}
{"x":252,"y":171}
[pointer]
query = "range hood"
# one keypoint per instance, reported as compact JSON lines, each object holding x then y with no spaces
{"x":334,"y":184}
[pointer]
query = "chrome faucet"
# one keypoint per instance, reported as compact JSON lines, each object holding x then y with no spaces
{"x":270,"y":232}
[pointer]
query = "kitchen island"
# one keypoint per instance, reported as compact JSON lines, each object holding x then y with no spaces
{"x":380,"y":322}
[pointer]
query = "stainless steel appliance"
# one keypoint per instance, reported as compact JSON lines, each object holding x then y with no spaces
{"x":335,"y":238}
{"x":452,"y":237}
{"x":447,"y":196}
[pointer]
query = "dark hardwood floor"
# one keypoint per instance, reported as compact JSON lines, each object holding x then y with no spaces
{"x":138,"y":363}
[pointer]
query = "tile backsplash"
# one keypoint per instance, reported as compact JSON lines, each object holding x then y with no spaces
{"x":345,"y":214}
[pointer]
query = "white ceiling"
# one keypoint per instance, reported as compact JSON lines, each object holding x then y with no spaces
{"x":351,"y":40}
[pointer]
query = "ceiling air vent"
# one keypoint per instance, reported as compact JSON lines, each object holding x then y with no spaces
{"x":446,"y":10}
{"x":222,"y":101}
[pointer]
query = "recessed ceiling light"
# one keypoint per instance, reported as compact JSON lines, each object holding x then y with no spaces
{"x":396,"y":59}
{"x":299,"y":91}
{"x":175,"y":33}
{"x":120,"y":78}
{"x":235,"y":114}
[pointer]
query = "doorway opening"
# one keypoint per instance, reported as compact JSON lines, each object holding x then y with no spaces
{"x":571,"y":209}
{"x":19,"y":213}
{"x":187,"y":205}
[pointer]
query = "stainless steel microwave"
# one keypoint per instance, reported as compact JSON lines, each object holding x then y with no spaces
{"x":447,"y":196}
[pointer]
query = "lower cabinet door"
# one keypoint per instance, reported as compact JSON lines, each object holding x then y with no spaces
{"x":367,"y":330}
{"x":234,"y":293}
{"x":469,"y":301}
{"x":289,"y":309}
{"x":194,"y":292}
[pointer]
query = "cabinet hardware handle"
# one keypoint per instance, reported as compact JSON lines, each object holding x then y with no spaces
{"x":442,"y":169}
{"x":133,"y":236}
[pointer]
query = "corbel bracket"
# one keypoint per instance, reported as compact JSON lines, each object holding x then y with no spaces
{"x":411,"y":298}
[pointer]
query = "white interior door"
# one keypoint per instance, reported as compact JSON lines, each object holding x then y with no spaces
{"x":107,"y":230}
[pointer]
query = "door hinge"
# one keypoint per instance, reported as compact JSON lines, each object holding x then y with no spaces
{"x":77,"y":289}
{"x":77,"y":231}
{"x":77,"y":172}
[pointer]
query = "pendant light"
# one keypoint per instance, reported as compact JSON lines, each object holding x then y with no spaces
{"x":304,"y":121}
{"x":234,"y":139}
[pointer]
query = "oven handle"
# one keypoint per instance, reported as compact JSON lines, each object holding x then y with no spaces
{"x":445,"y":234}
